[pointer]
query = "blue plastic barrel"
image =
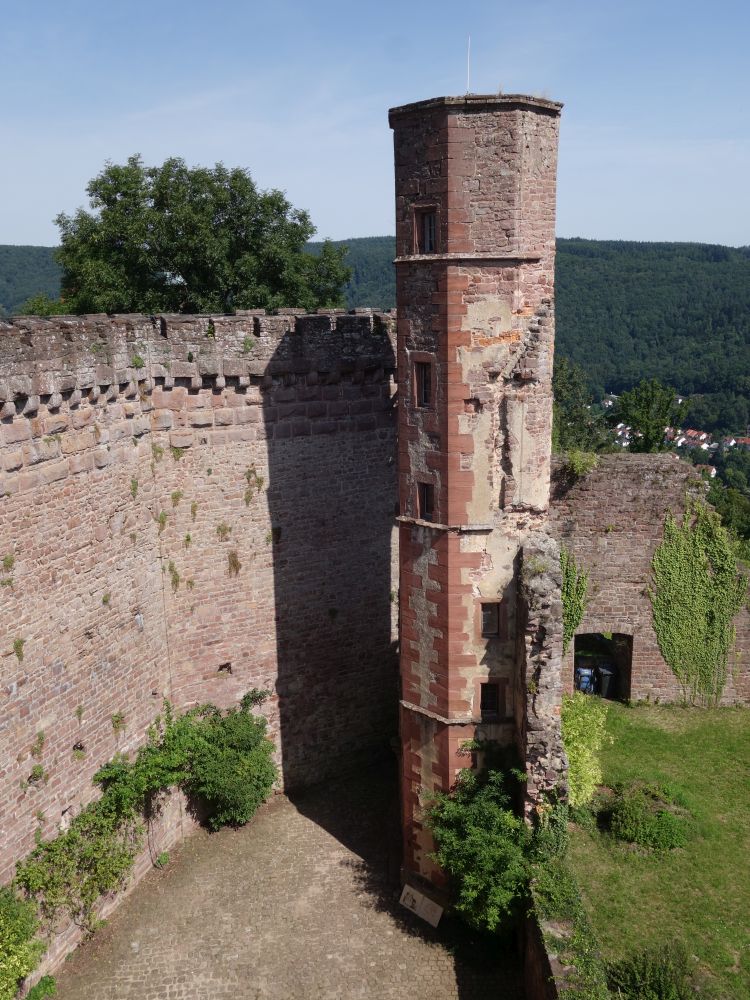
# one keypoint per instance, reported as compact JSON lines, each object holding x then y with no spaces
{"x":584,"y":679}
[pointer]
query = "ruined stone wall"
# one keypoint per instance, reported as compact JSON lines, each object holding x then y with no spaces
{"x":189,"y":508}
{"x":539,"y":678}
{"x":612,"y":521}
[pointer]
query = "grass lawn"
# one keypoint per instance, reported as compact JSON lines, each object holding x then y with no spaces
{"x":699,"y":894}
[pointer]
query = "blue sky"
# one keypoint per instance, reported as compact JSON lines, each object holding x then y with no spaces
{"x":655,"y":140}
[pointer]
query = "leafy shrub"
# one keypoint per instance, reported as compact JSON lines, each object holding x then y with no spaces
{"x":46,"y":987}
{"x":584,"y":719}
{"x":654,"y":974}
{"x":483,"y":846}
{"x":579,"y":463}
{"x":19,"y":950}
{"x":644,"y":814}
{"x":231,"y":768}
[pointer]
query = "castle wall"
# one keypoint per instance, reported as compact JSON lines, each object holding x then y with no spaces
{"x":193,"y":507}
{"x":612,"y":520}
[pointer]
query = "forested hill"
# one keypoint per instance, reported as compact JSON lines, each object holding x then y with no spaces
{"x":679,"y":312}
{"x":26,"y":271}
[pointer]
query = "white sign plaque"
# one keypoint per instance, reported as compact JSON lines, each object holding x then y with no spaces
{"x":421,"y":905}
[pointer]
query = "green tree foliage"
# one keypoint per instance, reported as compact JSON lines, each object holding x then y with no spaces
{"x":584,"y":720}
{"x":42,"y":305}
{"x":483,"y":847}
{"x":648,"y":409}
{"x":696,"y":594}
{"x":575,"y":583}
{"x":577,"y":425}
{"x":179,"y":239}
{"x":20,"y":950}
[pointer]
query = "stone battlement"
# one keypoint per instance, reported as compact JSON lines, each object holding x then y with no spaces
{"x":57,"y":357}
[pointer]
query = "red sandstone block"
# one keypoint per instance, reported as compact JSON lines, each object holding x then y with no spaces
{"x":201,"y":418}
{"x":161,"y":420}
{"x":18,"y":430}
{"x":181,"y":438}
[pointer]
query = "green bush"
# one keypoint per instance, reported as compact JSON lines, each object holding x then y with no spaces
{"x":19,"y":949}
{"x":644,"y":814}
{"x":654,"y":974}
{"x":232,"y":768}
{"x":483,"y":847}
{"x":223,"y":759}
{"x":584,"y":719}
{"x":578,"y":464}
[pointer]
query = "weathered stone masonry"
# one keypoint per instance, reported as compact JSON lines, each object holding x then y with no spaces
{"x":194,"y":507}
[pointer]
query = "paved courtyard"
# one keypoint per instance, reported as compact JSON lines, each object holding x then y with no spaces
{"x":301,"y":904}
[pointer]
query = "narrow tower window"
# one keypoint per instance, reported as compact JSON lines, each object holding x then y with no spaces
{"x":423,"y":384}
{"x":489,"y":702}
{"x":491,"y":619}
{"x":426,"y":230}
{"x":426,"y":501}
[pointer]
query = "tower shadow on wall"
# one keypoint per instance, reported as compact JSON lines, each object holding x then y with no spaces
{"x":329,"y":412}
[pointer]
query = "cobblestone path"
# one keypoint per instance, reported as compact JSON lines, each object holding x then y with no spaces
{"x":301,"y":904}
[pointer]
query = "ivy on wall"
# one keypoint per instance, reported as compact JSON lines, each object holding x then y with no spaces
{"x":575,"y":582}
{"x":696,"y":593}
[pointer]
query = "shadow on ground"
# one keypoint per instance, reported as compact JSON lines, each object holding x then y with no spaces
{"x":363,"y":814}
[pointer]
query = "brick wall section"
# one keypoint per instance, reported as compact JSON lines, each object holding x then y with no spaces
{"x":279,"y":428}
{"x":478,"y":309}
{"x":612,"y":521}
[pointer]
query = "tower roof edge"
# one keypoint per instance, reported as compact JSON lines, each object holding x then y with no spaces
{"x":477,"y":102}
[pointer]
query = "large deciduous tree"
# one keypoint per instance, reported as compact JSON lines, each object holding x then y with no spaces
{"x":648,"y":409}
{"x":179,"y":239}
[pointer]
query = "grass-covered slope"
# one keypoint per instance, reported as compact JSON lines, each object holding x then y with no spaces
{"x":699,"y":894}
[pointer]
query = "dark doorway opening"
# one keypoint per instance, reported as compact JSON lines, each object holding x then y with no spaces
{"x":603,"y":664}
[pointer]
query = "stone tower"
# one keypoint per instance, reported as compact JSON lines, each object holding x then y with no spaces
{"x":475,"y":245}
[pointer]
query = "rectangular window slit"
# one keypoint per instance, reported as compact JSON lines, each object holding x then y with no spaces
{"x":491,"y":619}
{"x":423,"y":379}
{"x":426,"y":230}
{"x":489,"y":702}
{"x":426,"y":501}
